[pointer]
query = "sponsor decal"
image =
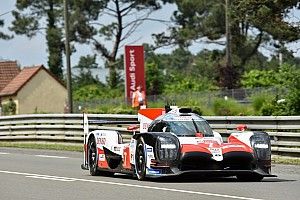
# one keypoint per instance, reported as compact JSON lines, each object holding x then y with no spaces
{"x":101,"y":141}
{"x":134,"y":69}
{"x":100,"y":134}
{"x":149,"y":149}
{"x":145,"y":126}
{"x":217,"y":153}
{"x":154,"y":171}
{"x":117,"y":148}
{"x":261,"y":146}
{"x":101,"y":157}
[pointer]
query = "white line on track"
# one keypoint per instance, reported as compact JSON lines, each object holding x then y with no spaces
{"x":127,"y":185}
{"x":47,"y":156}
{"x":3,"y":153}
{"x":51,"y":178}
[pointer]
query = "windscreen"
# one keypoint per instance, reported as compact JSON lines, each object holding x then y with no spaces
{"x":190,"y":128}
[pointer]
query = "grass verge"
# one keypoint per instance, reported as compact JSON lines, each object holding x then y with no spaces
{"x":286,"y":160}
{"x":48,"y":146}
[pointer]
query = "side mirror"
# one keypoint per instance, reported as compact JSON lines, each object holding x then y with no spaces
{"x":132,"y":128}
{"x":241,"y":127}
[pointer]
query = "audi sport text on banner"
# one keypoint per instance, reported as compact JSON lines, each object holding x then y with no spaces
{"x":134,"y":69}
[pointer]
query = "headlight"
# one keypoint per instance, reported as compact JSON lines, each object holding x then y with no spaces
{"x":260,"y":142}
{"x":167,"y":148}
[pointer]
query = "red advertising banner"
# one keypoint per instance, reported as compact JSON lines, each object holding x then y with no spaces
{"x":134,"y":69}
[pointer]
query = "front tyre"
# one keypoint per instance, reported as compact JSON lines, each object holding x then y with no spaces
{"x":93,"y":157}
{"x":140,"y":159}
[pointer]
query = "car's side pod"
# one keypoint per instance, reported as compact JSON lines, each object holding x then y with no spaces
{"x":260,"y":142}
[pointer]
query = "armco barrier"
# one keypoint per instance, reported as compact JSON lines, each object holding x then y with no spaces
{"x":284,"y":130}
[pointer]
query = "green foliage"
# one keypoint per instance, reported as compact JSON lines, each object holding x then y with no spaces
{"x":282,"y":77}
{"x":96,"y":91}
{"x":85,"y":76}
{"x":287,"y":76}
{"x":258,"y":101}
{"x":206,"y":63}
{"x":55,"y":49}
{"x":229,"y":107}
{"x":9,"y":108}
{"x":293,"y":98}
{"x":275,"y":108}
{"x":111,"y":109}
{"x":258,"y":78}
{"x":177,"y":83}
{"x":154,"y":79}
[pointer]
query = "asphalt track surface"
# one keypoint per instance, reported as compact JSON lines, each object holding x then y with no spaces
{"x":41,"y":174}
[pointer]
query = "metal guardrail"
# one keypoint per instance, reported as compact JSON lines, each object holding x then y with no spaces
{"x":284,"y":130}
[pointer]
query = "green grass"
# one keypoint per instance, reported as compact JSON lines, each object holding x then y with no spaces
{"x":48,"y":146}
{"x":286,"y":160}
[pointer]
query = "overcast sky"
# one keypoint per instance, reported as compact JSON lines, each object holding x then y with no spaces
{"x":33,"y":52}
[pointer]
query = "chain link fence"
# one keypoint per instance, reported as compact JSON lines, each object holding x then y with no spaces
{"x":204,"y":98}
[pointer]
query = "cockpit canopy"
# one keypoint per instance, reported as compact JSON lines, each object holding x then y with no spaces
{"x":183,"y":125}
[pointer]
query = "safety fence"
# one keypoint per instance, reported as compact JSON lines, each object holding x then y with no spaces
{"x":68,"y":128}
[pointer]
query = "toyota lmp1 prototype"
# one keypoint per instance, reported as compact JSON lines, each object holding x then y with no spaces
{"x":174,"y":142}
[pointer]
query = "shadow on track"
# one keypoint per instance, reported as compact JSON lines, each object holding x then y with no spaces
{"x":197,"y":179}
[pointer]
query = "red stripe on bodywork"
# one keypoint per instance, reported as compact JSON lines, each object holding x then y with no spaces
{"x":234,"y":140}
{"x":126,"y":158}
{"x":193,"y":148}
{"x":231,"y":148}
{"x":102,"y":164}
{"x":152,"y":113}
{"x":226,"y":148}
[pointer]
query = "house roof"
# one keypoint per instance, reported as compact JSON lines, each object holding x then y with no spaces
{"x":8,"y":71}
{"x":22,"y":78}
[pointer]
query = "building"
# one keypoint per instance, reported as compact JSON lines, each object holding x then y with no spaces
{"x":35,"y":90}
{"x":8,"y":71}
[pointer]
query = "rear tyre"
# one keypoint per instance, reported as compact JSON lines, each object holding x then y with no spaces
{"x":140,"y":159}
{"x":250,"y":178}
{"x":93,"y":157}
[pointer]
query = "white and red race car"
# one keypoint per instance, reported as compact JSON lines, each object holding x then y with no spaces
{"x":173,"y":142}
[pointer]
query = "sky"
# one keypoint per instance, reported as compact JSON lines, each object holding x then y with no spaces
{"x":33,"y":51}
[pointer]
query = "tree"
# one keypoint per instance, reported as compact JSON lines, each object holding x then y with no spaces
{"x":154,"y":79}
{"x":28,"y":20}
{"x":204,"y":21}
{"x":110,"y":25}
{"x":4,"y":36}
{"x":85,"y":66}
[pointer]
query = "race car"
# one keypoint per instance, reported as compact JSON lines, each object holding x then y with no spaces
{"x":173,"y":141}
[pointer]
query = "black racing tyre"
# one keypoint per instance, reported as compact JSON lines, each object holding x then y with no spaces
{"x":250,"y":178}
{"x":93,"y":157}
{"x":140,"y":159}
